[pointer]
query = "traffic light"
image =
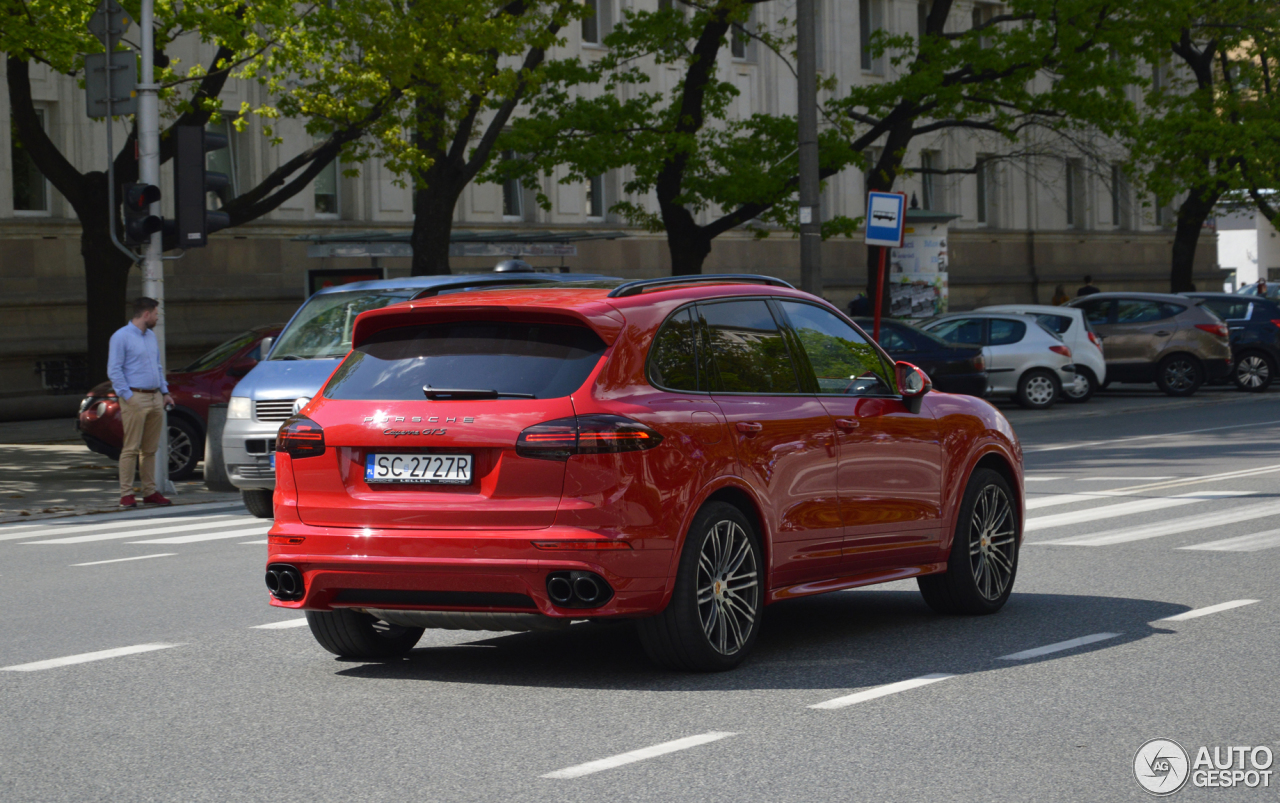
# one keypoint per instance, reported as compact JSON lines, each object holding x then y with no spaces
{"x":191,"y":181}
{"x":139,"y":223}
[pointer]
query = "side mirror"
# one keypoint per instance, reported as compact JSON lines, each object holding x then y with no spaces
{"x":241,"y":368}
{"x":912,"y":384}
{"x":264,"y":347}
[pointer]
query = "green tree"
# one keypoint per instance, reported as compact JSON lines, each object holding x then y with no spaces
{"x":442,"y":78}
{"x":246,"y":35}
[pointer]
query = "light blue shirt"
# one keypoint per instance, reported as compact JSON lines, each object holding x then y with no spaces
{"x":134,"y":361}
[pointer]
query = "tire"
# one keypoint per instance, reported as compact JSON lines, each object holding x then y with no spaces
{"x":1090,"y":387}
{"x":708,"y":635}
{"x":1179,"y":375}
{"x":980,"y":571}
{"x":185,"y":444}
{"x":1253,"y":372}
{"x":258,"y":501}
{"x":1038,"y":389}
{"x":358,"y":635}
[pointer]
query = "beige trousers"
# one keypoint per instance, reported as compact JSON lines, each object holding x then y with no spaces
{"x":143,"y":417}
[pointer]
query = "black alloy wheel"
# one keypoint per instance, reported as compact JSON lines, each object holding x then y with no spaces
{"x":1253,"y":372}
{"x":1179,"y":375}
{"x":983,"y":563}
{"x":184,"y":449}
{"x":713,"y":617}
{"x":350,"y":634}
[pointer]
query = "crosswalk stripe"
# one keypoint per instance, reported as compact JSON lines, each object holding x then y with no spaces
{"x":84,"y":658}
{"x":135,"y":531}
{"x":1125,"y":509}
{"x":1196,"y":613}
{"x":1064,"y":499}
{"x":1048,"y":649}
{"x":1183,"y":525}
{"x":1244,"y":543}
{"x":261,"y":529}
{"x":282,"y":625}
{"x":13,"y":532}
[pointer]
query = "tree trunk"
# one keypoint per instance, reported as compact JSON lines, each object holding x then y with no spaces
{"x":434,"y":204}
{"x":106,"y":277}
{"x":1191,"y":217}
{"x":688,"y":243}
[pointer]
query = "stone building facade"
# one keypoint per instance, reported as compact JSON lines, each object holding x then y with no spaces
{"x":1023,"y":226}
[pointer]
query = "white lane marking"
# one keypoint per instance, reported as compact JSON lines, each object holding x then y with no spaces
{"x":281,"y":625}
{"x":1058,"y":647}
{"x":85,"y":658}
{"x":1041,"y":479}
{"x":255,"y":543}
{"x":12,"y":532}
{"x":1269,"y":539}
{"x":261,"y":529}
{"x":122,"y":560}
{"x":1173,"y":527}
{"x":1063,"y":499}
{"x":1125,"y":509}
{"x":1121,"y":479}
{"x":1196,"y":613}
{"x":132,"y":530}
{"x":1083,"y":444}
{"x":638,"y":755}
{"x":881,"y":691}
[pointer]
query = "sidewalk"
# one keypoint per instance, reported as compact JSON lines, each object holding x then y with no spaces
{"x":46,"y":471}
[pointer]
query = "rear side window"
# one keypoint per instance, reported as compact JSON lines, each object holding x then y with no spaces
{"x":1005,"y":332}
{"x":1140,"y":311}
{"x":959,"y":330}
{"x":895,"y":341}
{"x":673,"y":360}
{"x":842,"y":359}
{"x":1097,"y":312}
{"x":747,"y":348}
{"x":1227,"y":310}
{"x":545,"y":361}
{"x":1054,"y":323}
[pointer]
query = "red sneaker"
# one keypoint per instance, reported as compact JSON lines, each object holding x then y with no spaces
{"x":128,"y":501}
{"x":155,"y":499}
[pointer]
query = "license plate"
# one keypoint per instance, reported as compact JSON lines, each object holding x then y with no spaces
{"x":430,"y":469}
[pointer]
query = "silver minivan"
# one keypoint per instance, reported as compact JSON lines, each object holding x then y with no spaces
{"x":1025,"y":359}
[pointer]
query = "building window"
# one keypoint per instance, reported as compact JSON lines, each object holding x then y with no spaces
{"x":326,"y":189}
{"x":740,"y":44}
{"x":922,"y":19}
{"x":928,"y":181}
{"x":1121,"y":207}
{"x":980,"y":16}
{"x":872,"y":156}
{"x":596,"y":204}
{"x":30,"y":188}
{"x":512,"y":195}
{"x":1075,"y":194}
{"x":598,"y":21}
{"x":225,"y":160}
{"x":1165,"y":216}
{"x":985,"y":189}
{"x":870,"y":20}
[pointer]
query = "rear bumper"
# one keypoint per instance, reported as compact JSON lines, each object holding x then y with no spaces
{"x":455,"y":570}
{"x":1217,"y":370}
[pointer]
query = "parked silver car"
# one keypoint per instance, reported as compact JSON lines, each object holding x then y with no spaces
{"x":1073,"y":327}
{"x":1025,"y":359}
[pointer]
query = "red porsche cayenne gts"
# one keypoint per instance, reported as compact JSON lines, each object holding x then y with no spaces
{"x":681,"y":452}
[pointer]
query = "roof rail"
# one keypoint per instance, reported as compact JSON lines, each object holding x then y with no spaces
{"x":638,"y":287}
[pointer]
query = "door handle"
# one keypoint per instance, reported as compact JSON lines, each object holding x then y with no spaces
{"x":750,"y":427}
{"x":1161,"y":334}
{"x":846,"y":424}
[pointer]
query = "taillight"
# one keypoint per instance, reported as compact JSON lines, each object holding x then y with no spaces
{"x":1095,"y":340}
{"x":586,"y":434}
{"x":1219,"y":329}
{"x":300,"y":437}
{"x":979,"y":364}
{"x":1276,"y":321}
{"x":1063,"y":350}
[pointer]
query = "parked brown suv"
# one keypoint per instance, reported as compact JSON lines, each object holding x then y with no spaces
{"x":1153,"y":337}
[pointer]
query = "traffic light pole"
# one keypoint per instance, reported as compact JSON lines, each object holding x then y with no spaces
{"x":149,"y":173}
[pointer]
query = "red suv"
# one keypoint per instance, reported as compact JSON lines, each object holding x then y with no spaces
{"x":681,"y":452}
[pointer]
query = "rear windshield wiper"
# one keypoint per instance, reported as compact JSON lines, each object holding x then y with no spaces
{"x":444,"y":394}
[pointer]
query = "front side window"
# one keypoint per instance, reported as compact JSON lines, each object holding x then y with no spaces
{"x":542,"y":361}
{"x":673,"y":359}
{"x":842,"y":360}
{"x":959,"y":330}
{"x":322,"y":328}
{"x":747,"y":348}
{"x":1004,"y":332}
{"x":222,"y":353}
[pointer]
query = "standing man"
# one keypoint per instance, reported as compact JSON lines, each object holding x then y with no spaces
{"x":133,"y":365}
{"x":1088,"y":288}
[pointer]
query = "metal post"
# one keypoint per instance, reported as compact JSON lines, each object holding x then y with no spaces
{"x":875,"y":334}
{"x":807,"y":105}
{"x":149,"y":173}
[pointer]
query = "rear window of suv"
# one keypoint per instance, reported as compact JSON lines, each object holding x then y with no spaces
{"x":545,"y":361}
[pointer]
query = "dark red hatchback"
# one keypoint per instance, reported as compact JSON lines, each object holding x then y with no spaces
{"x":680,"y":452}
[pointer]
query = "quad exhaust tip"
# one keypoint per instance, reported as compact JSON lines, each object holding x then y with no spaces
{"x":578,"y":589}
{"x":285,"y":582}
